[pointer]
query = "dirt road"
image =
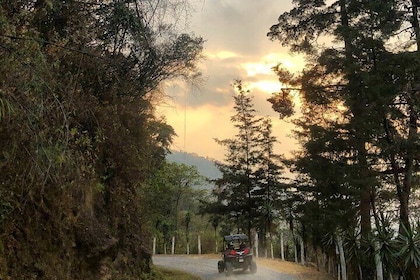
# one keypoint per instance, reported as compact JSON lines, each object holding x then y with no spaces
{"x":206,"y":268}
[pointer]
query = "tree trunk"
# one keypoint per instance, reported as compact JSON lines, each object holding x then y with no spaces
{"x":272,"y":249}
{"x":415,"y":21}
{"x":358,"y":108}
{"x":342,"y":258}
{"x":302,"y":251}
{"x":405,"y":191}
{"x":378,"y":262}
{"x":365,"y":213}
{"x":407,"y":184}
{"x":199,"y":244}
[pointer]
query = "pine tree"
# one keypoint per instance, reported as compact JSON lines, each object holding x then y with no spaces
{"x":347,"y":79}
{"x":270,"y":191}
{"x":238,"y":184}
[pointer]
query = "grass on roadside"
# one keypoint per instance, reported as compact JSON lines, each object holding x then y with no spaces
{"x":172,"y":274}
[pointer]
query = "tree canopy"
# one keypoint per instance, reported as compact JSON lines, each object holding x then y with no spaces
{"x":78,"y":133}
{"x":359,"y":127}
{"x":246,"y":197}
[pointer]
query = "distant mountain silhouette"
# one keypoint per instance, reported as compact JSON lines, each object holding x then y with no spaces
{"x":204,"y":165}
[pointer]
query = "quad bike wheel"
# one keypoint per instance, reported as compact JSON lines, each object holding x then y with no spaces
{"x":221,"y":266}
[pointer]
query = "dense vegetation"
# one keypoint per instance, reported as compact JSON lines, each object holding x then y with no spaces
{"x":78,"y":135}
{"x":359,"y":132}
{"x":170,"y":200}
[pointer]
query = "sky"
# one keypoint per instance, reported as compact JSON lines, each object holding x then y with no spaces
{"x":236,"y":47}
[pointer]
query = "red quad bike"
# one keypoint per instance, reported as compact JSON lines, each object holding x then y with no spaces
{"x":238,"y":255}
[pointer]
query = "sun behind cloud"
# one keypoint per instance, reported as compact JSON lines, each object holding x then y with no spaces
{"x":253,"y":69}
{"x":294,"y":63}
{"x":262,"y":71}
{"x":267,"y":86}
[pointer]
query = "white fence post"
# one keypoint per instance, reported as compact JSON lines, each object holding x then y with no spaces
{"x":199,"y":244}
{"x":256,"y":245}
{"x":154,"y":245}
{"x":173,"y":245}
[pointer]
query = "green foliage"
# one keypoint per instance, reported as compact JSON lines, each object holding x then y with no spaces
{"x":170,"y":201}
{"x":5,"y":108}
{"x":385,"y":238}
{"x":359,"y":121}
{"x":78,"y":134}
{"x":5,"y":209}
{"x":247,"y":197}
{"x":282,"y":102}
{"x":408,"y":243}
{"x":236,"y":198}
{"x":399,"y":252}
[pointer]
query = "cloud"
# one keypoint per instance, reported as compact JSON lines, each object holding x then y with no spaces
{"x":225,"y":54}
{"x":240,"y":24}
{"x":236,"y":48}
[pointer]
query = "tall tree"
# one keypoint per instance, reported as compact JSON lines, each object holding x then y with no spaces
{"x":401,"y":119}
{"x":270,"y":191}
{"x":238,"y":184}
{"x":363,"y":28}
{"x":346,"y":21}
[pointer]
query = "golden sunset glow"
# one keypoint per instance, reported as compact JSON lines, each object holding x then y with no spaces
{"x":254,"y":69}
{"x":220,"y":54}
{"x":266,"y":86}
{"x":196,"y":128}
{"x":265,"y":65}
{"x":198,"y":115}
{"x":292,"y":63}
